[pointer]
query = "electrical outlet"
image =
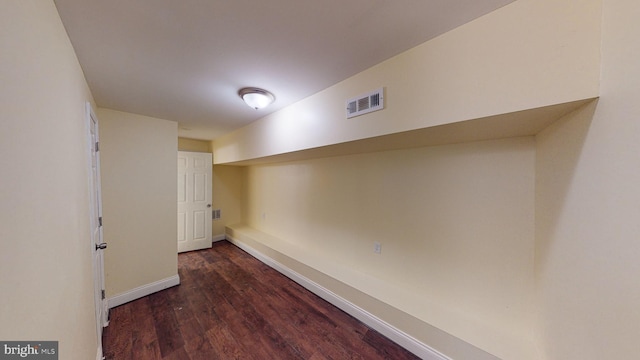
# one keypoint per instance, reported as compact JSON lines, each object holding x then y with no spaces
{"x":377,"y":247}
{"x":264,"y":216}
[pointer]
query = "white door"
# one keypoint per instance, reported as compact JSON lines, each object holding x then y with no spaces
{"x":194,"y":200}
{"x":96,"y":225}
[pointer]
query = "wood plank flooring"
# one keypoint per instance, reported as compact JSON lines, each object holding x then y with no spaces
{"x":231,"y":306}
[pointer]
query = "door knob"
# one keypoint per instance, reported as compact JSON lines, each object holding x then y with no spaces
{"x":208,"y":205}
{"x":101,"y":246}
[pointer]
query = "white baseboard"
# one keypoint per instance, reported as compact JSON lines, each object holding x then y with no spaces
{"x":401,"y":338}
{"x":143,"y":291}
{"x":218,"y":238}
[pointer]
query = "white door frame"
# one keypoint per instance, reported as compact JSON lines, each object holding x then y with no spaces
{"x":95,"y":213}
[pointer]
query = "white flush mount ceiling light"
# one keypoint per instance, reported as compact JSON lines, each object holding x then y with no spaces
{"x":255,"y":97}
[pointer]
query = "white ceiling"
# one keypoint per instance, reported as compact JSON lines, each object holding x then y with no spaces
{"x":185,"y":60}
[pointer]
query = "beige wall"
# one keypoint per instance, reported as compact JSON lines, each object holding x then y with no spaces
{"x":194,"y":145}
{"x":455,"y":223}
{"x":45,"y":248}
{"x":588,"y":210}
{"x":528,"y":54}
{"x":228,"y":185}
{"x":139,"y":182}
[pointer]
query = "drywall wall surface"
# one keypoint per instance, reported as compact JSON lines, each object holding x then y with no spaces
{"x":228,"y":185}
{"x":194,"y":145}
{"x":587,"y":210}
{"x":455,"y":224}
{"x":528,"y":54}
{"x":45,"y":243}
{"x":139,"y":191}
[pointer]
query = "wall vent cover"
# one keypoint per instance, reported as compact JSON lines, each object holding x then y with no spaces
{"x":365,"y":103}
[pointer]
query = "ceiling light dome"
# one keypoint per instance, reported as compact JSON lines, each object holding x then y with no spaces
{"x":255,"y":97}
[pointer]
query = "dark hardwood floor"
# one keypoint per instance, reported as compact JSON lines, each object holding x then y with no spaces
{"x":231,"y":306}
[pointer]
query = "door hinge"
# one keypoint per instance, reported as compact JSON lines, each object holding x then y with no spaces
{"x":100,"y":220}
{"x":97,"y":146}
{"x":103,"y":296}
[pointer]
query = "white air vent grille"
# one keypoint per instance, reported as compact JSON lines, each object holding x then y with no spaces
{"x":366,"y":103}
